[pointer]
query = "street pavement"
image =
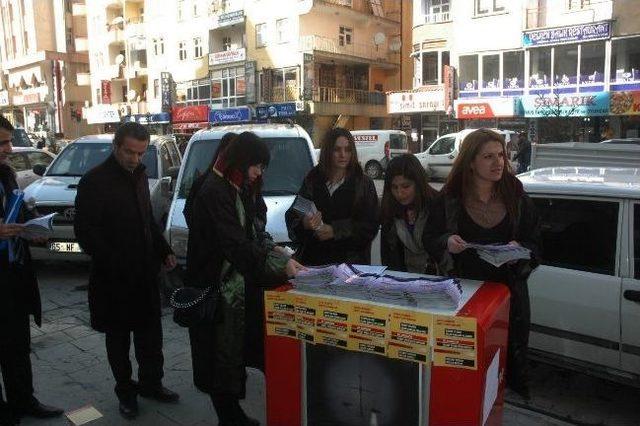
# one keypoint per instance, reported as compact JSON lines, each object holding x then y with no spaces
{"x":71,"y":370}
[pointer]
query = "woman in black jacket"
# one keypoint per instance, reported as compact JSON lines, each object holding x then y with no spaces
{"x":406,"y":200}
{"x":483,"y":202}
{"x":224,"y":250}
{"x":347,"y":219}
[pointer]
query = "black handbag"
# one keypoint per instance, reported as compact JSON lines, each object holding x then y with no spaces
{"x":194,"y":306}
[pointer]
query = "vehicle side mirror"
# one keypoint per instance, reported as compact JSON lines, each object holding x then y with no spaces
{"x":173,"y":172}
{"x":39,"y":169}
{"x":165,"y":185}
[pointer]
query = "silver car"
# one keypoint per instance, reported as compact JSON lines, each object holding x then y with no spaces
{"x":23,"y":160}
{"x":55,"y":192}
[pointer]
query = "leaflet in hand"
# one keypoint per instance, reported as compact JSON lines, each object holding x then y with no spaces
{"x":304,"y":206}
{"x":498,"y":255}
{"x":40,"y":227}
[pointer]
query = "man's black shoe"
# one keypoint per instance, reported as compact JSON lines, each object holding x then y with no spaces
{"x":160,"y":394}
{"x":41,"y":411}
{"x":129,"y":408}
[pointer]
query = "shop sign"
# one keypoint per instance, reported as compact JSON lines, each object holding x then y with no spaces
{"x":309,"y":77}
{"x":625,"y":103}
{"x":416,"y":101}
{"x":283,"y":110}
{"x":227,"y":56}
{"x":485,"y":108}
{"x":28,"y":98}
{"x":190,"y":114}
{"x":449,"y":73}
{"x":230,"y":18}
{"x":101,"y":114}
{"x":572,"y":34}
{"x":4,"y":98}
{"x":230,"y":115}
{"x":566,"y":105}
{"x":160,"y":118}
{"x":166,"y":89}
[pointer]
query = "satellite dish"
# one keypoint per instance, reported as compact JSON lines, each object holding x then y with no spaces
{"x":395,"y":45}
{"x":120,"y":59}
{"x":131,"y":94}
{"x":379,"y":38}
{"x":117,"y":20}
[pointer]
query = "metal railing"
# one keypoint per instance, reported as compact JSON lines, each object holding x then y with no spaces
{"x":285,"y":94}
{"x":338,"y":95}
{"x":437,"y":18}
{"x":365,"y":6}
{"x":359,"y":50}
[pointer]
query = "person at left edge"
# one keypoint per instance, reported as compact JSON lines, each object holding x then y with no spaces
{"x":114,"y":224}
{"x":20,"y":298}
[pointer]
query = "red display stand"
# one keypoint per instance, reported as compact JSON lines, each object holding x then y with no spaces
{"x":454,"y":396}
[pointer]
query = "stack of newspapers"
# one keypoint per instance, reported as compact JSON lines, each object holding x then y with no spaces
{"x":355,"y":282}
{"x":498,"y":255}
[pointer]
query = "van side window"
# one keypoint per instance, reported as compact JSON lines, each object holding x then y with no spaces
{"x":579,"y":234}
{"x":165,"y":159}
{"x":443,"y":146}
{"x":398,"y":141}
{"x":636,"y":241}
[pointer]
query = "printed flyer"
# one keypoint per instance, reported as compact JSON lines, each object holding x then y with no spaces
{"x":368,"y":328}
{"x":455,"y":342}
{"x":409,"y":333}
{"x":332,"y":322}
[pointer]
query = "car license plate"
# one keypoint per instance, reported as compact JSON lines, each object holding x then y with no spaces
{"x":65,"y":247}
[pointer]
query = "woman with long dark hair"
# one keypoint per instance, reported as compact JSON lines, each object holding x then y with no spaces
{"x":347,"y":218}
{"x":483,"y":202}
{"x":406,"y":199}
{"x":224,"y":250}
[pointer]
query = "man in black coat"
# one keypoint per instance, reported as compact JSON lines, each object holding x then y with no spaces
{"x":19,"y":298}
{"x":115,"y":226}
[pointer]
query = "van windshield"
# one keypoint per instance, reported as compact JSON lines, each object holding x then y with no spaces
{"x":290,"y":163}
{"x":398,"y":141}
{"x":80,"y":157}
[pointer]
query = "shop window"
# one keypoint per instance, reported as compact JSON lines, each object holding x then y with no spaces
{"x":469,"y":72}
{"x":429,"y":68}
{"x":486,"y":7}
{"x":565,"y":65}
{"x":570,"y":223}
{"x":285,"y":85}
{"x":592,"y":62}
{"x":491,"y":72}
{"x":540,"y":67}
{"x":261,"y":35}
{"x":513,"y":70}
{"x":625,"y":59}
{"x":345,"y":36}
{"x":228,"y":87}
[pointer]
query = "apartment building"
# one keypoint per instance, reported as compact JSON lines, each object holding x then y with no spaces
{"x":43,"y":45}
{"x":529,"y":65}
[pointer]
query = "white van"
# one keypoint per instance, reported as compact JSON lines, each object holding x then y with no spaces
{"x":292,"y":156}
{"x":376,"y":147}
{"x":438,"y":158}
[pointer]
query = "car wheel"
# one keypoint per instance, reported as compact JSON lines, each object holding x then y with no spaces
{"x":373,"y":169}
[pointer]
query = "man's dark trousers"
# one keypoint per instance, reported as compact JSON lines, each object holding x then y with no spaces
{"x":147,"y":343}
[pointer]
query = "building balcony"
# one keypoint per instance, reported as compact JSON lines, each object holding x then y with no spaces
{"x":83,"y":79}
{"x":290,"y":93}
{"x":365,"y":8}
{"x":559,"y":14}
{"x":79,"y":9}
{"x":81,"y":44}
{"x":115,"y":34}
{"x":348,"y":96}
{"x":438,"y":18}
{"x":332,"y":46}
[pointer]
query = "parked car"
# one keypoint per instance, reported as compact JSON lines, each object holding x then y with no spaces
{"x":377,"y":147}
{"x":585,"y":296}
{"x":23,"y":160}
{"x":438,"y":159}
{"x":292,"y":156}
{"x":55,"y":192}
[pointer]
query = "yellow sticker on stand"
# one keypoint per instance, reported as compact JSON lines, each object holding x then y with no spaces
{"x":368,"y":328}
{"x":280,"y":315}
{"x":332,"y":322}
{"x":455,"y":342}
{"x":305,"y":311}
{"x":409,"y":333}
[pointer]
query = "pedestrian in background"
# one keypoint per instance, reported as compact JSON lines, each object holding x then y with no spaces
{"x":523,"y":157}
{"x":483,"y":202}
{"x":406,"y":199}
{"x":115,"y":226}
{"x":19,"y":299}
{"x":347,"y":219}
{"x":224,"y":251}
